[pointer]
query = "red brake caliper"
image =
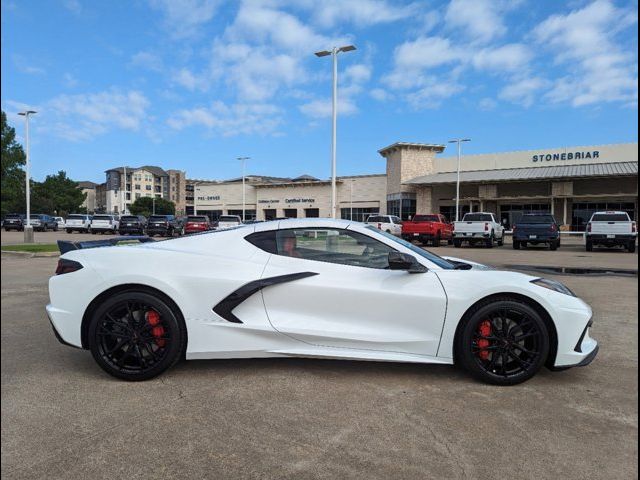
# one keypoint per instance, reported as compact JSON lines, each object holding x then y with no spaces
{"x":484,"y":330}
{"x":153,"y":319}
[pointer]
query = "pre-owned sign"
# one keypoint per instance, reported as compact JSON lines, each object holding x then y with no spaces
{"x":551,"y":157}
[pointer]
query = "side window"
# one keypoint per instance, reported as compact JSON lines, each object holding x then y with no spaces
{"x":339,"y":246}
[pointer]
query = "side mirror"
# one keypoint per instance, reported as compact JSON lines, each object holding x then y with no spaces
{"x":404,"y":261}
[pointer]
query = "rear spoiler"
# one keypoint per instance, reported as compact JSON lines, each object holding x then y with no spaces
{"x":66,"y":246}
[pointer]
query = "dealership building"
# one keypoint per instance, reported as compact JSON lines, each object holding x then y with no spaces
{"x":569,"y":182}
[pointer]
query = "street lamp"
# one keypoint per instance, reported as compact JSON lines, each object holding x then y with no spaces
{"x":459,"y":142}
{"x":243,"y":160}
{"x":28,"y":230}
{"x":334,"y":53}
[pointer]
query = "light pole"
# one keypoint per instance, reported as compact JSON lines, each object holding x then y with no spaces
{"x":124,"y":193}
{"x":351,"y":201}
{"x":28,"y":230}
{"x":459,"y":142}
{"x":243,"y":160}
{"x":334,"y":53}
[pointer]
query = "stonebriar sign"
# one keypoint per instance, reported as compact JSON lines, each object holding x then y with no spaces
{"x":549,"y":157}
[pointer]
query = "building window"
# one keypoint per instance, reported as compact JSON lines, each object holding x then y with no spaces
{"x":582,"y":212}
{"x":269,"y":213}
{"x":291,"y":213}
{"x":404,"y":208}
{"x":311,"y":212}
{"x":358,"y":214}
{"x":137,"y":196}
{"x":148,"y":187}
{"x":136,"y":186}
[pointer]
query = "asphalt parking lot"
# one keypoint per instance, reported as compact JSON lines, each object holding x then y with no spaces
{"x":62,"y":417}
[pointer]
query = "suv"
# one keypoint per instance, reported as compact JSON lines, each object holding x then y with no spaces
{"x":104,"y":223}
{"x":77,"y":222}
{"x":610,"y":229}
{"x":228,"y":221}
{"x":387,"y":223}
{"x":535,"y":228}
{"x":132,"y":224}
{"x":14,"y":221}
{"x":163,"y":225}
{"x":196,"y":223}
{"x":42,"y":222}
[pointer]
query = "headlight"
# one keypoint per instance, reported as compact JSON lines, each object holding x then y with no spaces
{"x":553,"y":285}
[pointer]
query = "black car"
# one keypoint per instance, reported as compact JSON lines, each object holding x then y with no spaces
{"x":132,"y":224}
{"x":14,"y":221}
{"x":41,"y":222}
{"x":535,"y":228}
{"x":163,"y":225}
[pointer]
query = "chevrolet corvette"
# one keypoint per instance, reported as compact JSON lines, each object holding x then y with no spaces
{"x":316,"y":288}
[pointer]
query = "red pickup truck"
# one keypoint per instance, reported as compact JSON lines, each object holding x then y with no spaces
{"x":428,"y":228}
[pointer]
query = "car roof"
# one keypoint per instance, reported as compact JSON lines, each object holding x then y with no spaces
{"x":302,"y":223}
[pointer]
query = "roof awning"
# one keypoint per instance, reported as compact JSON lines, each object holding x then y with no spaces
{"x":617,"y":169}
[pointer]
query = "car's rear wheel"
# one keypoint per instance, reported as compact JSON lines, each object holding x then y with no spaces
{"x":589,"y":246}
{"x":457,"y":243}
{"x":490,"y":240}
{"x":631,"y":247}
{"x":503,"y":342}
{"x":136,"y":335}
{"x":437,"y":239}
{"x":516,"y":245}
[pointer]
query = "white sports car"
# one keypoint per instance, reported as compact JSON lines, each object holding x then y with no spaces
{"x":309,"y":288}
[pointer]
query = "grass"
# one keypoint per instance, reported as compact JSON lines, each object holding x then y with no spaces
{"x":31,"y":247}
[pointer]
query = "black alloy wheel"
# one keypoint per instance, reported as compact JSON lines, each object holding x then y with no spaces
{"x":436,"y":240}
{"x":136,"y":336}
{"x":516,"y":245}
{"x":504,"y":342}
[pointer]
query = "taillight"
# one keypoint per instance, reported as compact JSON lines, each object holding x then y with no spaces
{"x":67,"y":266}
{"x":634,"y":227}
{"x":486,"y":227}
{"x":553,"y":228}
{"x":379,"y":226}
{"x":588,"y":227}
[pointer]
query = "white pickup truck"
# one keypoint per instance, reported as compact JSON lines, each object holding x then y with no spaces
{"x":478,"y":227}
{"x":610,"y":229}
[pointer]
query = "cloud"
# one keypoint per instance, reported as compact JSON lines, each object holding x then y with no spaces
{"x":183,"y":18}
{"x":74,"y":6}
{"x":324,"y":108}
{"x":69,"y":80}
{"x":361,"y":13}
{"x":487,"y":104}
{"x":510,"y":57}
{"x":433,"y":93}
{"x":23,"y":66}
{"x":380,"y":94}
{"x":86,"y":116}
{"x":230,"y":120}
{"x":147,"y":60}
{"x":523,"y":91}
{"x":189,"y":80}
{"x":585,"y":42}
{"x":478,"y":20}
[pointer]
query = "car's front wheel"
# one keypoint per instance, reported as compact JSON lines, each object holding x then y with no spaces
{"x":503,"y":342}
{"x":136,"y":335}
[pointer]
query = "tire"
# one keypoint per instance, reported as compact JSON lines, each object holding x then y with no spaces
{"x":437,"y":239}
{"x":589,"y":246}
{"x":69,"y":230}
{"x":516,"y":245}
{"x":631,"y":247}
{"x":553,"y":246}
{"x":501,"y":241}
{"x":457,"y":243}
{"x":502,"y":362}
{"x":44,"y":228}
{"x":489,"y":241}
{"x":128,"y":345}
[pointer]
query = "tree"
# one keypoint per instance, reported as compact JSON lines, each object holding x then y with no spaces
{"x":12,"y":197}
{"x":58,"y":194}
{"x":144,"y":206}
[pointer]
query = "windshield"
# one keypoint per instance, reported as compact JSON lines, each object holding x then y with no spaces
{"x":441,"y":262}
{"x":610,"y":217}
{"x":477,"y":217}
{"x":537,"y":219}
{"x":196,"y":219}
{"x":102,"y":217}
{"x":13,"y":215}
{"x":157,"y":218}
{"x":426,"y":218}
{"x":76,"y":217}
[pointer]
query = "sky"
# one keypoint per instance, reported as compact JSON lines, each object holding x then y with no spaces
{"x":194,"y":84}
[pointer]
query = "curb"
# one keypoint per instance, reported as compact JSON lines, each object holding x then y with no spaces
{"x":11,"y":253}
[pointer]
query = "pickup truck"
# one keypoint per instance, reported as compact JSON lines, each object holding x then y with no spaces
{"x":478,"y":227}
{"x":610,"y":229}
{"x":535,"y":228}
{"x":427,"y":228}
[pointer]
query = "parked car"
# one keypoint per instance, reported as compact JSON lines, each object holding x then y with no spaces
{"x":280,"y":290}
{"x":136,"y":224}
{"x":387,"y":223}
{"x":228,"y":221}
{"x":534,"y":229}
{"x":60,"y":221}
{"x":78,"y":222}
{"x":104,"y":224}
{"x":197,"y":223}
{"x":163,"y":225}
{"x":14,"y":221}
{"x":41,"y":222}
{"x":428,"y":228}
{"x":479,"y":227}
{"x":610,"y":229}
